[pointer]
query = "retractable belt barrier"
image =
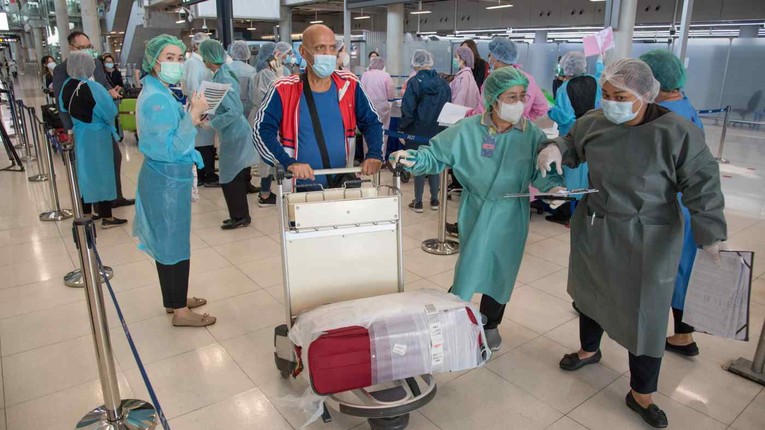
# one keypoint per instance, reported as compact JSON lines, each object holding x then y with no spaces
{"x":726,"y":111}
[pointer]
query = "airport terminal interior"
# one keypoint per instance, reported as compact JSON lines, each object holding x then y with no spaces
{"x":223,"y":376}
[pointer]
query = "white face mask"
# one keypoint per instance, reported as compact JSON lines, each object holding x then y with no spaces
{"x":618,"y":112}
{"x":346,"y":60}
{"x":51,"y":66}
{"x":511,"y":113}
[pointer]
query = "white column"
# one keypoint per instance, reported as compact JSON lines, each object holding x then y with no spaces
{"x":394,"y":39}
{"x":540,"y":36}
{"x":38,"y":45}
{"x":685,"y":26}
{"x":346,"y":27}
{"x":623,"y":34}
{"x":62,"y":25}
{"x":90,"y":23}
{"x":285,"y":24}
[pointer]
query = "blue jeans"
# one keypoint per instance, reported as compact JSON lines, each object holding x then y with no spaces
{"x":419,"y":187}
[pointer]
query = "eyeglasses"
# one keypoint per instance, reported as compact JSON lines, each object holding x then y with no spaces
{"x":514,"y":98}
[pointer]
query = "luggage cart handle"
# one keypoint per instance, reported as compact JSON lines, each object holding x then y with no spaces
{"x":282,"y":173}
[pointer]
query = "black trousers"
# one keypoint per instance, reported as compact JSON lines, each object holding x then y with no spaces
{"x":208,"y":157}
{"x":680,"y":326}
{"x":103,"y":209}
{"x":117,"y":169}
{"x":174,"y":282}
{"x":644,"y":370}
{"x":493,"y":311}
{"x":235,"y":193}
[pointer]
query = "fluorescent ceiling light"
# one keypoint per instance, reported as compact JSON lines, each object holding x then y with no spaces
{"x":419,"y":12}
{"x":597,"y":1}
{"x":499,"y":5}
{"x":318,"y":21}
{"x":180,"y":21}
{"x":251,"y":28}
{"x":362,"y":17}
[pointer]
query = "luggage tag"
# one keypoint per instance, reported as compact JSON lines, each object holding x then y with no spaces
{"x":488,"y":145}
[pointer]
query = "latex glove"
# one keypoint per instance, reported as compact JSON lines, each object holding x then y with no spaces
{"x":714,"y":250}
{"x":403,"y":157}
{"x":551,"y":154}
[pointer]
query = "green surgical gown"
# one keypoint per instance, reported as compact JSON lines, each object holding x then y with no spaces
{"x":493,"y":229}
{"x":626,"y":239}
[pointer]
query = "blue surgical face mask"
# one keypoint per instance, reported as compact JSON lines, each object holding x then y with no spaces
{"x":618,"y":112}
{"x":170,"y":72}
{"x":290,"y":60}
{"x":109,"y":66}
{"x":455,"y":64}
{"x":324,"y":65}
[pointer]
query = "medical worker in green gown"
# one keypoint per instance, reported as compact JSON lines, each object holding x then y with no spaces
{"x":163,"y":198}
{"x":626,"y":239}
{"x":492,"y":155}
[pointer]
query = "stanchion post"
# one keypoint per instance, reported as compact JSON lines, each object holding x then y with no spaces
{"x":57,"y":214}
{"x":40,"y":176}
{"x":14,"y":105}
{"x":441,"y":245}
{"x":724,"y":131}
{"x":115,"y":413}
{"x":753,"y":370}
{"x":74,"y":278}
{"x":25,"y":132}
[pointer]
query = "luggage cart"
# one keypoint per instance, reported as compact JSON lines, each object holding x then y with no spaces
{"x":327,"y":241}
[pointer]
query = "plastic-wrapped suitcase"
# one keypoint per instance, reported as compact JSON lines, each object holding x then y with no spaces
{"x":127,"y":114}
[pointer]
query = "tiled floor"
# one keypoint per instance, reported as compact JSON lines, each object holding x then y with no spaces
{"x":223,"y":377}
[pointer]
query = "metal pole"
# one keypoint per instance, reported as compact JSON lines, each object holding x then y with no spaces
{"x":57,"y":214}
{"x":753,"y":370}
{"x":74,"y":278}
{"x":720,"y":158}
{"x":685,"y":26}
{"x":225,"y":21}
{"x":441,"y":245}
{"x":24,"y":135}
{"x":40,"y":176}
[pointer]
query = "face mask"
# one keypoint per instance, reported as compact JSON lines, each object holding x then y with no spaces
{"x":92,"y":52}
{"x":324,"y":65}
{"x":170,"y":72}
{"x":291,"y":60}
{"x":511,"y":113}
{"x":491,"y":66}
{"x":51,"y":66}
{"x":109,"y":65}
{"x":455,"y":64}
{"x":618,"y":112}
{"x":346,"y":60}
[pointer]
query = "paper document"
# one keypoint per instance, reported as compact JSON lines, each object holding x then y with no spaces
{"x":718,"y":295}
{"x":452,"y":113}
{"x":562,"y":194}
{"x":214,"y":93}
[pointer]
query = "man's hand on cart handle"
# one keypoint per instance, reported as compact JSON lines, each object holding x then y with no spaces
{"x":370,"y":166}
{"x":301,"y":171}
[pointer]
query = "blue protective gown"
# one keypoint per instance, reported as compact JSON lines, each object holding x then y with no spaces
{"x":244,"y":73}
{"x":163,"y":198}
{"x":93,"y":150}
{"x":194,"y":73}
{"x":563,"y":114}
{"x":684,"y":108}
{"x":234,"y":132}
{"x":493,"y":229}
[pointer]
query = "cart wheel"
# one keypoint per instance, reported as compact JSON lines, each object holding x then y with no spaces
{"x":285,"y":373}
{"x":405,"y":177}
{"x":395,"y":423}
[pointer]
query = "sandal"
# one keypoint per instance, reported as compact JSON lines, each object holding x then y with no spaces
{"x":197,"y":321}
{"x":191,"y":303}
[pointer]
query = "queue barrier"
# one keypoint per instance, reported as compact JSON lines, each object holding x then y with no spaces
{"x":726,"y":110}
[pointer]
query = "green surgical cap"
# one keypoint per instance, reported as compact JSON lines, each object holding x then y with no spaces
{"x":666,"y":68}
{"x":500,"y":81}
{"x":212,"y":52}
{"x":155,"y":46}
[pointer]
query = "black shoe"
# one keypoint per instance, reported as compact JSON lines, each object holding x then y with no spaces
{"x":114,"y":222}
{"x":558,"y":218}
{"x":118,"y":203}
{"x":538,"y":206}
{"x":241,"y":222}
{"x":572,"y":361}
{"x":652,"y":415}
{"x":452,"y":229}
{"x":252,"y":189}
{"x":690,"y":350}
{"x":268,"y":201}
{"x":434,"y":205}
{"x":417,"y":207}
{"x":212,"y":184}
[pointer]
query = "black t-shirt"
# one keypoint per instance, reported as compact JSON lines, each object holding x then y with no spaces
{"x":81,"y":105}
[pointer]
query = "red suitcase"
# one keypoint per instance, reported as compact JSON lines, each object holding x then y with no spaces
{"x":340,"y":360}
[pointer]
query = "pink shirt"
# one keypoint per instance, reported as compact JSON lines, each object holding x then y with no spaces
{"x":464,"y":89}
{"x":536,"y":106}
{"x":378,"y":86}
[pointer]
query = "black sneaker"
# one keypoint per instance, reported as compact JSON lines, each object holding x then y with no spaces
{"x":434,"y":205}
{"x":114,"y":222}
{"x":268,"y":201}
{"x":652,"y":415}
{"x":417,"y":207}
{"x":452,"y":229}
{"x":241,"y":222}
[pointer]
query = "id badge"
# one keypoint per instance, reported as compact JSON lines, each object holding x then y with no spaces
{"x":487,"y":147}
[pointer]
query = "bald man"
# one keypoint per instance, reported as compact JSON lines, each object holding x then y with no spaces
{"x":309,"y":121}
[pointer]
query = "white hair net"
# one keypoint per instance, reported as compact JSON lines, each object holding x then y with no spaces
{"x":265,"y":54}
{"x":283,"y":47}
{"x":633,"y":76}
{"x":376,"y":63}
{"x":422,"y":59}
{"x":239,"y":50}
{"x":80,"y":65}
{"x":574,"y":63}
{"x":504,"y":50}
{"x":466,"y":54}
{"x":198,"y":38}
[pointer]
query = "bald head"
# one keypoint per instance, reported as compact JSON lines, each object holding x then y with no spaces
{"x":318,"y":39}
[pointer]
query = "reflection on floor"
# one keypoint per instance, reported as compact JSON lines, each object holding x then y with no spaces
{"x":223,"y":377}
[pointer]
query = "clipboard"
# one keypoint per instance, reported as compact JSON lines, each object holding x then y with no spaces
{"x":563,"y":195}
